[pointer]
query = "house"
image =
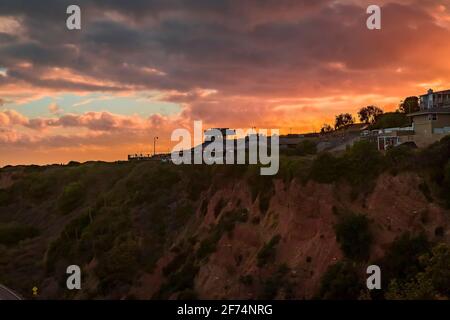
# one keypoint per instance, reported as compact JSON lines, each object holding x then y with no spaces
{"x":433,"y":100}
{"x":432,"y":121}
{"x":391,"y":137}
{"x":430,"y":124}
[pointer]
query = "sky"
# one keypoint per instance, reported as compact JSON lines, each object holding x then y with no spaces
{"x":140,"y":69}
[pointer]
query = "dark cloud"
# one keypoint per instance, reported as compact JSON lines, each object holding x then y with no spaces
{"x":250,"y":47}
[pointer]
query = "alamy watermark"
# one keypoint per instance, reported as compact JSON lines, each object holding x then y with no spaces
{"x":214,"y":146}
{"x":73,"y":21}
{"x":374,"y":20}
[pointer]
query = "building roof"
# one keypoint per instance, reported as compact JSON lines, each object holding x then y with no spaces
{"x":436,"y":92}
{"x":439,"y":110}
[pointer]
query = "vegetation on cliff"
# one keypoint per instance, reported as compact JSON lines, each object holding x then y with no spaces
{"x":118,"y":221}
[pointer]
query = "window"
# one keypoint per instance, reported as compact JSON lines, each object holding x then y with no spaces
{"x":432,"y":116}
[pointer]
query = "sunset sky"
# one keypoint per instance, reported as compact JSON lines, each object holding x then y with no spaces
{"x":139,"y":69}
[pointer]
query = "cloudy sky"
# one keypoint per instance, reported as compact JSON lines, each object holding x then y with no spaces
{"x":139,"y":69}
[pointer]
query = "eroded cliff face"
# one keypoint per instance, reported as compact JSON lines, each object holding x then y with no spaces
{"x":146,"y":230}
{"x":303,"y":216}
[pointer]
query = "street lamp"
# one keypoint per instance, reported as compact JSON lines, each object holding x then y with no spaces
{"x":154,"y":145}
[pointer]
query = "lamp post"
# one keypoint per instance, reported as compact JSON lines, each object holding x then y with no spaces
{"x":154,"y":145}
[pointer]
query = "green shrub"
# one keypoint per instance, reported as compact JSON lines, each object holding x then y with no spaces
{"x":306,"y":147}
{"x":118,"y":266}
{"x":400,"y":158}
{"x":226,"y":224}
{"x":291,"y":168}
{"x":268,"y":252}
{"x":273,"y":284}
{"x":199,"y":180}
{"x":6,"y":197}
{"x":65,"y":245}
{"x":11,"y":234}
{"x":258,"y":184}
{"x":433,"y":282}
{"x":363,"y":163}
{"x":72,"y":196}
{"x":437,"y":268}
{"x":353,"y":234}
{"x":182,"y":215}
{"x":326,"y":168}
{"x":401,"y":260}
{"x":149,"y":181}
{"x":181,"y":280}
{"x":340,"y":282}
{"x":445,"y":192}
{"x":40,"y":185}
{"x":391,"y":120}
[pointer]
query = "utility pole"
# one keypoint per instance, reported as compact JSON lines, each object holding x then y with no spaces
{"x":154,"y":145}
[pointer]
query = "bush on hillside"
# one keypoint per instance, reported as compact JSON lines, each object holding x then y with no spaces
{"x":11,"y":234}
{"x":431,"y":283}
{"x":118,"y":266}
{"x":6,"y":197}
{"x":340,"y":282}
{"x":272,"y":285}
{"x":306,"y":147}
{"x":353,"y":234}
{"x":181,"y":280}
{"x":327,"y":168}
{"x":71,"y":197}
{"x":445,"y":192}
{"x":391,"y":120}
{"x":363,"y":163}
{"x":401,"y":260}
{"x":400,"y":158}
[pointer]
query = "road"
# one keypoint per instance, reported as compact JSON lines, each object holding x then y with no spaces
{"x":7,"y":294}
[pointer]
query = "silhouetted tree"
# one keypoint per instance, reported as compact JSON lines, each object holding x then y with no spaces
{"x":343,"y":120}
{"x":369,"y":114}
{"x":326,"y":128}
{"x":410,"y":104}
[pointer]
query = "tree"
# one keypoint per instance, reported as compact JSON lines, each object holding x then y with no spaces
{"x":437,"y":268}
{"x":353,"y":234}
{"x":326,"y":128}
{"x":369,"y":114}
{"x":410,"y":104}
{"x":432,"y":283}
{"x":391,"y":120}
{"x":343,"y":120}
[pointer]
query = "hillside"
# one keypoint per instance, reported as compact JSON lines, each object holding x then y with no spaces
{"x":142,"y":230}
